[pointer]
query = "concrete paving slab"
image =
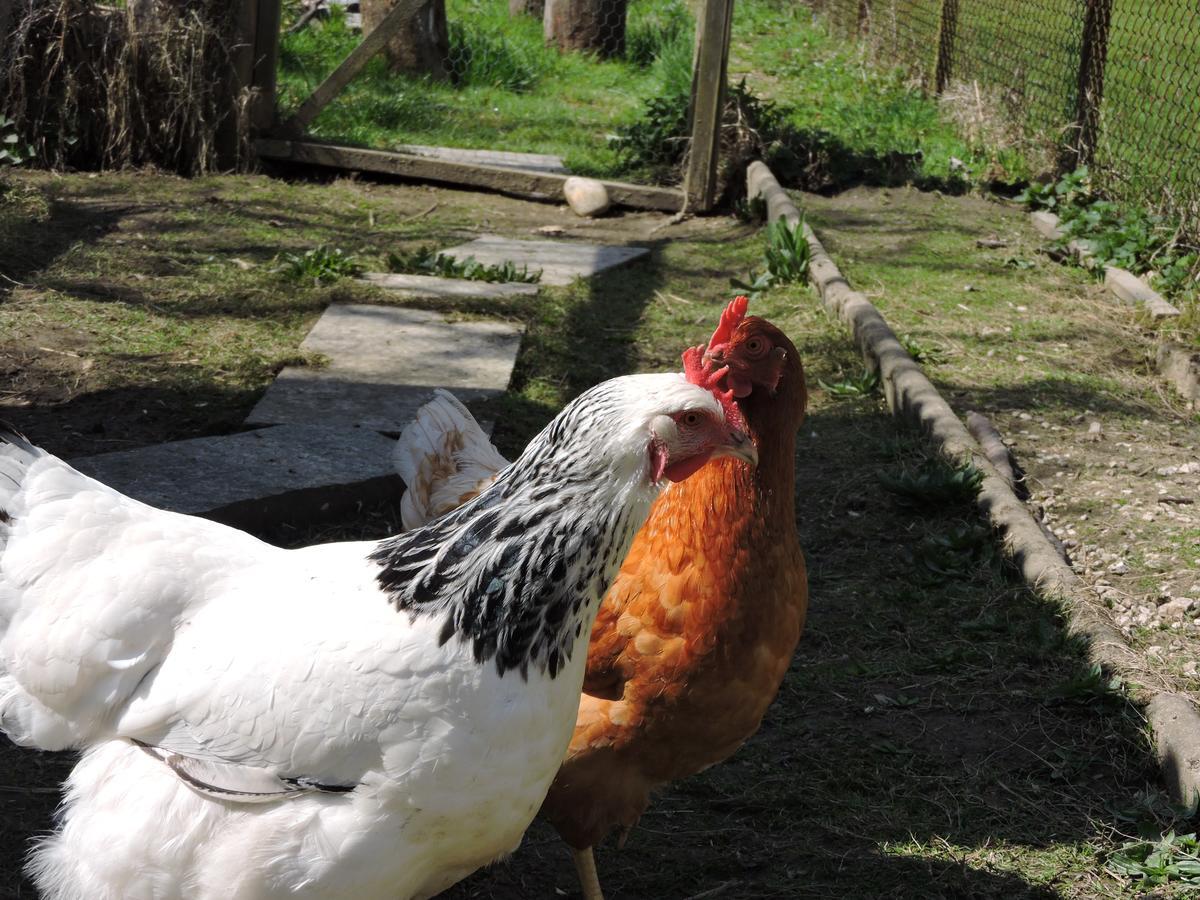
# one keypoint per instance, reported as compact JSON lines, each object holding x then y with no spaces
{"x":384,"y":363}
{"x":561,"y":262}
{"x":432,"y":286}
{"x":504,"y":159}
{"x":256,"y":479}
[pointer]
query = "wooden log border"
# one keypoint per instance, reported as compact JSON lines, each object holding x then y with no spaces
{"x":910,"y":395}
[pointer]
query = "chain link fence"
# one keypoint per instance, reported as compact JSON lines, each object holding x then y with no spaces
{"x":562,"y":80}
{"x":1111,"y":83}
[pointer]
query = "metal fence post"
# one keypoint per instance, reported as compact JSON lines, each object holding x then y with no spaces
{"x":947,"y":30}
{"x":708,"y":102}
{"x":1093,"y":54}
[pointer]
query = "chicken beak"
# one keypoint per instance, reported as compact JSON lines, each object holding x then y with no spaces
{"x":739,"y":446}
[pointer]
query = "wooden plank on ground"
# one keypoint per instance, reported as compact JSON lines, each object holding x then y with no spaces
{"x":352,"y":65}
{"x":519,"y":182}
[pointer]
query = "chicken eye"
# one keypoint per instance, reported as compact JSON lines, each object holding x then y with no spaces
{"x":691,"y":419}
{"x":756,"y":346}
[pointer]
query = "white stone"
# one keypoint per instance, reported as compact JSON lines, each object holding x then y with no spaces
{"x":586,"y":196}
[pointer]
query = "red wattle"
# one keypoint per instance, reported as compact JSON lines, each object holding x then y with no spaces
{"x":685,"y":468}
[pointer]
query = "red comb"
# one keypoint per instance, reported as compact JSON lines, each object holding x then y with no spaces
{"x":731,"y":318}
{"x":703,"y":372}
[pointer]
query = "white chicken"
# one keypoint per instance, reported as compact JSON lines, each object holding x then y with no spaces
{"x":353,"y":720}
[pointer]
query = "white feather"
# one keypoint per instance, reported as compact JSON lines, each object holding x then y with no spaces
{"x":251,"y":670}
{"x":444,"y":458}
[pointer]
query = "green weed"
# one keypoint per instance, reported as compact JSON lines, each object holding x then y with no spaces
{"x":428,"y":261}
{"x":13,"y":151}
{"x":1171,"y":858}
{"x":956,"y":552}
{"x":934,"y":484}
{"x":788,"y":253}
{"x":1091,"y":685}
{"x":320,"y":265}
{"x":1115,"y":234}
{"x":786,"y":259}
{"x":855,"y":386}
{"x":923,"y":353}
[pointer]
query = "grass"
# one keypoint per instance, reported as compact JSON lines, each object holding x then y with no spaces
{"x":1021,"y":61}
{"x":859,"y":120}
{"x":923,"y":744}
{"x":507,"y":90}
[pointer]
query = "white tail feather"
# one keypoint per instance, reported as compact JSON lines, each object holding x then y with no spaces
{"x":444,"y":458}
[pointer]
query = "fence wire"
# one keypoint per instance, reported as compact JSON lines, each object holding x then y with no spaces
{"x":1111,"y":83}
{"x":557,"y":79}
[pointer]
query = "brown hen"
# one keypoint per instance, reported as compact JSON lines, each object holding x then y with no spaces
{"x":695,"y":636}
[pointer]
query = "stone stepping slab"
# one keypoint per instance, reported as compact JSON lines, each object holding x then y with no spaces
{"x":561,"y":262}
{"x":433,"y":286}
{"x":504,"y":159}
{"x":256,"y":479}
{"x":384,"y":363}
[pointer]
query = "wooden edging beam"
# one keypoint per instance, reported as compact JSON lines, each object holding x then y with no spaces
{"x":910,"y":395}
{"x":525,"y":183}
{"x":352,"y":65}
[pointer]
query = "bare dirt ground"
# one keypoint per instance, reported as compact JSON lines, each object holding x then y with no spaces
{"x":1066,"y":374}
{"x":936,"y":737}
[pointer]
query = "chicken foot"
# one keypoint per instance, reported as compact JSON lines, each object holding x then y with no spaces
{"x":589,"y":880}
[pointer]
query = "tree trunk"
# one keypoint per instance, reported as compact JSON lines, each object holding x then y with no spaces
{"x":421,"y":46}
{"x":536,"y":8}
{"x":588,"y":26}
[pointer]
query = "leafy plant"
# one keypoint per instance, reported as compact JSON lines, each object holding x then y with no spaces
{"x":925,"y":354}
{"x":1089,"y":686}
{"x":658,"y":139}
{"x":319,"y":265}
{"x":1068,"y":191}
{"x":786,"y":258}
{"x":860,"y":386}
{"x":956,"y":552}
{"x":427,"y":260}
{"x":750,"y":210}
{"x":13,"y":151}
{"x":1173,"y":857}
{"x":935,"y":483}
{"x":1134,"y":238}
{"x":788,"y":253}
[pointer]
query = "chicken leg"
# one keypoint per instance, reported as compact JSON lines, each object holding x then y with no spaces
{"x":585,"y":867}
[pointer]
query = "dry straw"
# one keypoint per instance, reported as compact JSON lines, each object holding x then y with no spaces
{"x":93,"y":86}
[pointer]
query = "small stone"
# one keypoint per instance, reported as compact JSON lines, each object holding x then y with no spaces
{"x":1175,"y":610}
{"x":1119,"y":567}
{"x":586,"y":196}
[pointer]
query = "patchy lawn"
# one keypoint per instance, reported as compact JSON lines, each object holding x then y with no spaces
{"x":936,"y":736}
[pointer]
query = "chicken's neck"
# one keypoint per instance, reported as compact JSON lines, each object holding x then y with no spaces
{"x":520,"y":571}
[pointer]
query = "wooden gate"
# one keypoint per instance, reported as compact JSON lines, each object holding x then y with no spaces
{"x":288,"y":140}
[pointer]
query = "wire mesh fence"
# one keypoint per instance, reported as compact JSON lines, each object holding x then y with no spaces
{"x":562,"y":79}
{"x":1111,"y":83}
